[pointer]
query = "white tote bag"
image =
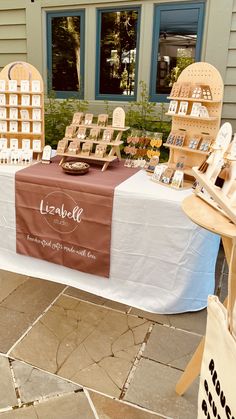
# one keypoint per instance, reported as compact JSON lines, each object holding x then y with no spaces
{"x":217,"y":391}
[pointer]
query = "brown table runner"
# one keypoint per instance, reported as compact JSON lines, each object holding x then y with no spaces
{"x":66,"y":219}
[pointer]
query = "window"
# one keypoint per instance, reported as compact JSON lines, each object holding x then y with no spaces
{"x":176,"y":44}
{"x":117,"y":52}
{"x":65,"y":53}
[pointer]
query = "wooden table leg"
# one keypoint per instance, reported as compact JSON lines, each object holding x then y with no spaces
{"x":193,"y":368}
{"x":227,"y":244}
{"x":191,"y":371}
{"x":232,"y":288}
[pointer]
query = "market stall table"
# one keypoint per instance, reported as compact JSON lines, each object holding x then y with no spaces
{"x":160,"y":261}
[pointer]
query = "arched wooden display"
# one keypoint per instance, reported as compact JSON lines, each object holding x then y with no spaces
{"x":200,"y":73}
{"x":20,"y":71}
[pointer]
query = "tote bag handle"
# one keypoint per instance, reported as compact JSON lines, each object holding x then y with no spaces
{"x":231,"y":306}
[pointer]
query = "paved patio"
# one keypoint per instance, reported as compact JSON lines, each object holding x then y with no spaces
{"x":67,"y":354}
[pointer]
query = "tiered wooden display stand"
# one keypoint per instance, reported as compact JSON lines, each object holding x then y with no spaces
{"x":196,"y":74}
{"x":113,"y":154}
{"x":23,"y":71}
{"x":113,"y":145}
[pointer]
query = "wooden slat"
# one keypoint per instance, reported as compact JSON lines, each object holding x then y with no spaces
{"x":233,"y":24}
{"x":234,"y":6}
{"x":11,"y":46}
{"x":232,"y":40}
{"x":230,"y":93}
{"x":231,"y":62}
{"x":230,"y":76}
{"x":12,"y":17}
{"x":13,"y":32}
{"x":229,"y":110}
{"x":9,"y":58}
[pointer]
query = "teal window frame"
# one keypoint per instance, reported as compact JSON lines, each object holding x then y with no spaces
{"x":115,"y":97}
{"x":49,"y":16}
{"x":156,"y":97}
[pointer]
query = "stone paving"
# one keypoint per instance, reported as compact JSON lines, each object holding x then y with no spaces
{"x":67,"y":354}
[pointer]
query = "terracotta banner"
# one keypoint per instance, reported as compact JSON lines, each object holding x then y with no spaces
{"x":66,"y":219}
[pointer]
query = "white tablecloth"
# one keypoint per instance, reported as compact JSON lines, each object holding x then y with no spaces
{"x":160,"y":261}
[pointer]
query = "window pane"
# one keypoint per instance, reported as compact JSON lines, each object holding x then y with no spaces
{"x":66,"y":44}
{"x":118,"y":46}
{"x":177,"y":45}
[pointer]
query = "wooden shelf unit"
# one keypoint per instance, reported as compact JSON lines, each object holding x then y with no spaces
{"x":186,"y":149}
{"x":113,"y":154}
{"x":191,"y":99}
{"x":200,"y":73}
{"x":210,"y":118}
{"x":19,"y":71}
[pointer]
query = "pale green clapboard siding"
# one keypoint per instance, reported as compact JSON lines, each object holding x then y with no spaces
{"x":229,"y":110}
{"x":230,"y":94}
{"x":12,"y":46}
{"x":12,"y":17}
{"x":231,"y":58}
{"x":230,"y":76}
{"x":13,"y":32}
{"x":229,"y":106}
{"x":232,"y":40}
{"x":233,"y":27}
{"x":9,"y":58}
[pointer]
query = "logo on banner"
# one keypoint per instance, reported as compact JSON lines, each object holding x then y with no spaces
{"x":61,"y":212}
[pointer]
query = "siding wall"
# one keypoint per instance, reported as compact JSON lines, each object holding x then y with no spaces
{"x":13,"y":44}
{"x":23,"y":37}
{"x":229,"y":107}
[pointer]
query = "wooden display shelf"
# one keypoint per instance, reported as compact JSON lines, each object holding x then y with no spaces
{"x":187,"y":185}
{"x":210,"y":118}
{"x":20,"y":106}
{"x":113,"y":152}
{"x":191,"y":99}
{"x":185,"y":149}
{"x":220,"y":201}
{"x":20,"y":71}
{"x":88,"y":140}
{"x":18,"y":92}
{"x":104,"y":127}
{"x":22,"y":133}
{"x":197,"y":74}
{"x":21,"y":120}
{"x":187,"y":170}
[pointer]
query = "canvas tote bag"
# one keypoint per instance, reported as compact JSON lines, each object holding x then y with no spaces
{"x":217,"y":390}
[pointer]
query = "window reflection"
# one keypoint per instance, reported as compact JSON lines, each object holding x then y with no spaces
{"x":66,"y":45}
{"x":177,"y":45}
{"x":118,"y":46}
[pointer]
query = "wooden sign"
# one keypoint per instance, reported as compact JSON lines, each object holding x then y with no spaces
{"x":46,"y":157}
{"x":118,"y":118}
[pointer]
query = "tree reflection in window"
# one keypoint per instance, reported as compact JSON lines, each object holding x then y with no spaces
{"x":118,"y":45}
{"x":66,"y":51}
{"x":176,"y":44}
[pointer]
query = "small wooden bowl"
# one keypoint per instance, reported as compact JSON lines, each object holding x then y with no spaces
{"x":75,"y":167}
